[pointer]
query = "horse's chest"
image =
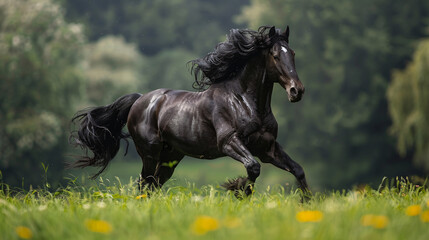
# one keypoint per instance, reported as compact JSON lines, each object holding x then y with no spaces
{"x":263,"y":126}
{"x":247,"y":125}
{"x":248,"y":120}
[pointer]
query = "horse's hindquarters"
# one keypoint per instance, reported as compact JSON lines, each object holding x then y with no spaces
{"x":177,"y":120}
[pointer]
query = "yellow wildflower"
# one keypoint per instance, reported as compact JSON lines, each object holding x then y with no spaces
{"x":413,"y":210}
{"x":366,"y":220}
{"x":376,"y":221}
{"x":309,"y":216}
{"x":380,"y":222}
{"x":425,"y":216}
{"x":24,"y":232}
{"x":204,"y":224}
{"x":98,"y":226}
{"x":141,"y":196}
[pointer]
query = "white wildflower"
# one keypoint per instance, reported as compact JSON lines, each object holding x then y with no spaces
{"x":43,"y":207}
{"x":101,"y":205}
{"x":271,"y":204}
{"x":196,"y":198}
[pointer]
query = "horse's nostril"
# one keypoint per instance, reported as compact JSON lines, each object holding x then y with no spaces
{"x":293,"y":91}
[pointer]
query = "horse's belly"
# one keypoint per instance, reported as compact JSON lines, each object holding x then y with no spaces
{"x":191,"y":138}
{"x":197,"y":149}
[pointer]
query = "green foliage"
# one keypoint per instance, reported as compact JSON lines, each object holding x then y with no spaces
{"x":172,"y":70}
{"x":345,"y":51}
{"x":39,"y":85}
{"x":112,"y":69}
{"x":408,"y":96}
{"x":158,"y":25}
{"x":210,"y":213}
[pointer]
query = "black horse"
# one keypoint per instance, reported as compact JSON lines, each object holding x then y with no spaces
{"x":231,"y":117}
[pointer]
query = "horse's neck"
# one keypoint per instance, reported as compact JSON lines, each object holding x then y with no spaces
{"x":254,"y":83}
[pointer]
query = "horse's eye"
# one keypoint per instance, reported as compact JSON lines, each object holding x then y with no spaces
{"x":276,"y":56}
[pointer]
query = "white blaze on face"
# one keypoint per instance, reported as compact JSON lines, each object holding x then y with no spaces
{"x":284,"y":49}
{"x":292,"y":83}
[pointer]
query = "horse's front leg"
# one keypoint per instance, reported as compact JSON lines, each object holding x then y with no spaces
{"x":281,"y":159}
{"x":235,"y":148}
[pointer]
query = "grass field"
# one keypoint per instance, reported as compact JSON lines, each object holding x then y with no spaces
{"x":118,"y":211}
{"x":200,"y":172}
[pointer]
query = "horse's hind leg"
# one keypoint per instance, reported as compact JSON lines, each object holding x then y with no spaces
{"x":169,"y":159}
{"x":147,"y":179}
{"x":158,"y":167}
{"x":149,"y":153}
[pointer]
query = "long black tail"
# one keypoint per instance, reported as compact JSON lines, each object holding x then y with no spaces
{"x":100,"y":130}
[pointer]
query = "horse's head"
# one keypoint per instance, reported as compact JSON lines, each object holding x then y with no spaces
{"x":281,"y":65}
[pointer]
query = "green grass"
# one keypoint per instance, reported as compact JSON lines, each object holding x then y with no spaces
{"x":177,"y":212}
{"x":200,"y":172}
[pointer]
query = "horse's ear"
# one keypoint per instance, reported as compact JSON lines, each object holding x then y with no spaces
{"x":286,"y":33}
{"x":272,"y":31}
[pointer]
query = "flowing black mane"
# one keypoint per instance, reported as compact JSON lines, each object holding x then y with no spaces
{"x":230,"y":57}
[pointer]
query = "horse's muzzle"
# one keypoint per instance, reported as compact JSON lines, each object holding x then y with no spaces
{"x":295,"y":93}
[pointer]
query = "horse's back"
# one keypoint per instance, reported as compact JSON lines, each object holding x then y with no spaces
{"x":153,"y":102}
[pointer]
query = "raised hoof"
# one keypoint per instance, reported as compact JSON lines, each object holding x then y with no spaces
{"x":240,"y":186}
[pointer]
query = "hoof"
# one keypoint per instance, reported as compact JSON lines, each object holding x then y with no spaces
{"x":306,"y":195}
{"x":147,"y":185}
{"x":305,"y":198}
{"x":240,"y":186}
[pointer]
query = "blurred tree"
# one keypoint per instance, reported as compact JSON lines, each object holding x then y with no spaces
{"x":408,"y":96}
{"x":172,"y":71}
{"x":345,"y":51}
{"x":168,"y":34}
{"x":155,"y":25}
{"x":112,"y":68}
{"x":39,"y":85}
